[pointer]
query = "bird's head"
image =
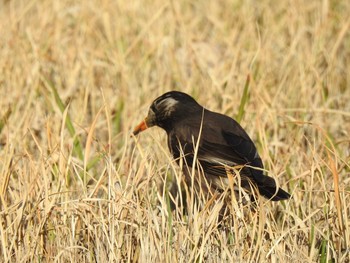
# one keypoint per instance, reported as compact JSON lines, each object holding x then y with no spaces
{"x":167,"y":109}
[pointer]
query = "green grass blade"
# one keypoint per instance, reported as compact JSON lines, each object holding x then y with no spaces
{"x":244,"y":100}
{"x":4,"y":119}
{"x":94,"y":161}
{"x":323,"y":251}
{"x":77,"y":148}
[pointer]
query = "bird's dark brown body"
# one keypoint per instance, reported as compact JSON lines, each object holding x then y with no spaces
{"x":218,"y":142}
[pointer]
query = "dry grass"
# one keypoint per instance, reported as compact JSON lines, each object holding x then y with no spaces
{"x":76,"y":76}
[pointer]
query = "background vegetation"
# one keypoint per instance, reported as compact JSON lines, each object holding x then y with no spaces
{"x":77,"y":76}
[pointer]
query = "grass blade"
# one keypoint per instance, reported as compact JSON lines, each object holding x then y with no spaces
{"x":5,"y":118}
{"x":244,"y":100}
{"x":77,"y":148}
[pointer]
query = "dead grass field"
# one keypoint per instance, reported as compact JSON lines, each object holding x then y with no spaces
{"x":76,"y":76}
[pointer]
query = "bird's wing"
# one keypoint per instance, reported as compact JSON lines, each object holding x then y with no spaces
{"x":220,"y":147}
{"x":234,"y":152}
{"x":216,"y":157}
{"x":241,"y":146}
{"x":225,"y":137}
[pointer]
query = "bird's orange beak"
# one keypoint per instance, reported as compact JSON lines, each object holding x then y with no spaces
{"x":141,"y":127}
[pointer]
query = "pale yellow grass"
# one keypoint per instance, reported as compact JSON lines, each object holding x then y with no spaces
{"x":74,"y":187}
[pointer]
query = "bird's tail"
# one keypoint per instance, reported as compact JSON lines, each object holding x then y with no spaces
{"x":271,"y":193}
{"x":269,"y":189}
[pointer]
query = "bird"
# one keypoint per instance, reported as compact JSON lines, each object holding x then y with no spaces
{"x":212,"y":143}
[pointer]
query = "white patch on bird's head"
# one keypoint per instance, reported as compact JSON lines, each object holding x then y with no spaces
{"x":166,"y":105}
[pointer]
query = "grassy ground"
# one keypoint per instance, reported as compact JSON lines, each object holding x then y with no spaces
{"x":76,"y":76}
